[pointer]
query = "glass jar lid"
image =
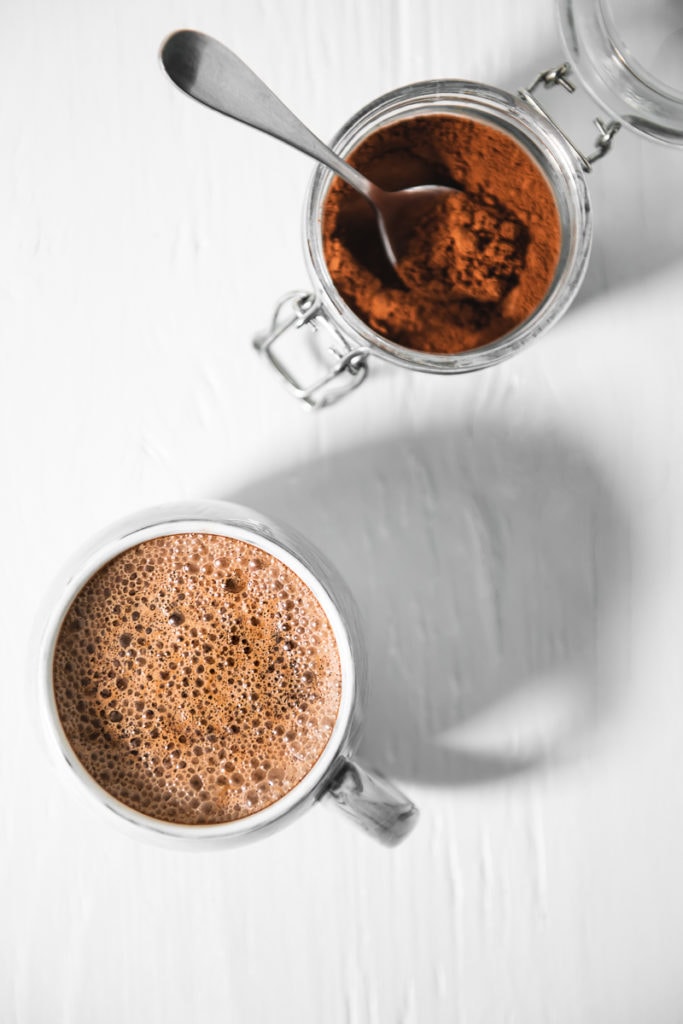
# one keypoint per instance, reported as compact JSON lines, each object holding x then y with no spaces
{"x":629,"y":55}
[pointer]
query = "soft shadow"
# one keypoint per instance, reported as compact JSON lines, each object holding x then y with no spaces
{"x":634,"y":189}
{"x":486,"y":566}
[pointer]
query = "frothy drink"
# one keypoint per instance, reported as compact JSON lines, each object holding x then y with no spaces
{"x":197,"y":678}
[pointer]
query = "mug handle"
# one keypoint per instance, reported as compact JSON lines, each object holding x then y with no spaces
{"x":372,"y":802}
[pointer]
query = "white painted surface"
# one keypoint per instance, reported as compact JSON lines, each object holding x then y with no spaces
{"x":514,"y":539}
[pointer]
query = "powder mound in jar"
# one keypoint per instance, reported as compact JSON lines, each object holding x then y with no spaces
{"x":465,"y":249}
{"x":197,"y":678}
{"x":476,"y":268}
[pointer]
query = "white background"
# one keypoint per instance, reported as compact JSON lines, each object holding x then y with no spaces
{"x":514,"y":539}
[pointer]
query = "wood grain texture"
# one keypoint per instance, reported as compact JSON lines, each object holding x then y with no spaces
{"x":514,"y":539}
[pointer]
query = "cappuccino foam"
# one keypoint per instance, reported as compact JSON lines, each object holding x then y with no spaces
{"x":197,"y":678}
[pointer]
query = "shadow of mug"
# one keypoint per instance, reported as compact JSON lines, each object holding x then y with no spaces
{"x":486,"y":566}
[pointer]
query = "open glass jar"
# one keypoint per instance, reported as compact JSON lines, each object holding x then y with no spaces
{"x":596,"y":33}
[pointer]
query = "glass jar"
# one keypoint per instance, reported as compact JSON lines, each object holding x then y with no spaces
{"x":629,"y":56}
{"x":372,"y":801}
{"x":593,"y":34}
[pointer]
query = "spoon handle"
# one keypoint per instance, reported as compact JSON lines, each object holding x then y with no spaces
{"x":212,"y":74}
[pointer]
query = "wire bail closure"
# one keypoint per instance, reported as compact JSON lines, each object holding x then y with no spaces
{"x":300,"y":309}
{"x":560,"y":76}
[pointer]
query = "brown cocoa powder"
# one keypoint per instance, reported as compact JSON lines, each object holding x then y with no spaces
{"x":475,"y":268}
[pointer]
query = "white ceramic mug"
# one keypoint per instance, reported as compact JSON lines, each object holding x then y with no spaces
{"x":373,"y":802}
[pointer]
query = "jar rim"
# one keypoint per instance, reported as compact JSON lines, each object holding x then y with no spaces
{"x":537,"y":136}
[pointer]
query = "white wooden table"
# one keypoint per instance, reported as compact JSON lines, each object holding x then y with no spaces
{"x":514,"y":539}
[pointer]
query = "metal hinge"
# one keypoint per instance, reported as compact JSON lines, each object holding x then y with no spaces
{"x":560,"y":76}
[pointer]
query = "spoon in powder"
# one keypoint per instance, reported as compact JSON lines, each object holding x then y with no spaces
{"x":212,"y":74}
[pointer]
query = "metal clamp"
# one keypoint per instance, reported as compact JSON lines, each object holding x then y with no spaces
{"x":560,"y":76}
{"x":345,"y":374}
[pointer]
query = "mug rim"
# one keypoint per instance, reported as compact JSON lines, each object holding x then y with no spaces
{"x":223,"y":519}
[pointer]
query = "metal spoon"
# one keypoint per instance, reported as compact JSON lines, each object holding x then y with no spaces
{"x":211,"y":73}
